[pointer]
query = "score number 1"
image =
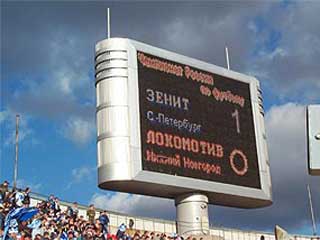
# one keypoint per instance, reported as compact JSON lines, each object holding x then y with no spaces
{"x":235,"y":115}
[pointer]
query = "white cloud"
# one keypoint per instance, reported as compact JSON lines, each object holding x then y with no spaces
{"x":78,"y":130}
{"x":278,"y":52}
{"x":277,"y":42}
{"x":205,"y":35}
{"x":120,"y":202}
{"x":285,"y":126}
{"x":134,"y":204}
{"x":65,"y":90}
{"x":290,"y":59}
{"x":66,"y":74}
{"x":35,"y":187}
{"x":83,"y":173}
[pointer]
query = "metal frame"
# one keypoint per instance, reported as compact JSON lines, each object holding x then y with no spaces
{"x":313,"y":142}
{"x":119,"y":148}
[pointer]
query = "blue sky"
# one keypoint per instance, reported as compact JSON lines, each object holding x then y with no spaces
{"x":47,"y":63}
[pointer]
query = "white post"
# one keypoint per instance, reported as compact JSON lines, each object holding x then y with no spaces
{"x":192,"y":214}
{"x":15,"y":176}
{"x":311,"y":209}
{"x":108,"y":23}
{"x":227,"y":58}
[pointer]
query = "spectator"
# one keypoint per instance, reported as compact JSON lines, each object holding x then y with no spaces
{"x":56,"y":205}
{"x":53,"y":235}
{"x":157,"y":237}
{"x":26,"y":197}
{"x":24,"y":230}
{"x":69,"y":211}
{"x":99,"y":232}
{"x":131,"y":231}
{"x":121,"y":232}
{"x":51,"y":223}
{"x":2,"y":217}
{"x":51,"y":201}
{"x":91,"y":213}
{"x":38,"y":237}
{"x":70,"y":235}
{"x":163,"y":236}
{"x":75,"y":210}
{"x":4,"y":192}
{"x":104,"y":220}
{"x":35,"y":227}
{"x":18,"y":198}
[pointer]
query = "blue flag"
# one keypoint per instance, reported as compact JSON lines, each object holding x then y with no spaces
{"x":63,"y":236}
{"x":27,"y":213}
{"x":20,"y":215}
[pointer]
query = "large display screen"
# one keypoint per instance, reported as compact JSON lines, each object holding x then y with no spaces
{"x":195,"y":123}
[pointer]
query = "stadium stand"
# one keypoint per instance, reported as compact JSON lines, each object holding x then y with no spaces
{"x":119,"y":226}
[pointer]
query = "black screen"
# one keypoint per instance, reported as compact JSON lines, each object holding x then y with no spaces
{"x":195,"y":123}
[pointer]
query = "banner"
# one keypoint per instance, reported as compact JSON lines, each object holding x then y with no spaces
{"x":281,"y":234}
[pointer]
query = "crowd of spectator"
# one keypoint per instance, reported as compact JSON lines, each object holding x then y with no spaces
{"x":46,"y":221}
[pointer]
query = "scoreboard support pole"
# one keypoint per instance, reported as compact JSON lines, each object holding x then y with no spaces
{"x":192,"y":214}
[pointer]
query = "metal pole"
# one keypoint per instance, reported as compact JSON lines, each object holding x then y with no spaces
{"x":191,"y":211}
{"x":16,"y":159}
{"x":227,"y":57}
{"x":108,"y":23}
{"x":311,"y":209}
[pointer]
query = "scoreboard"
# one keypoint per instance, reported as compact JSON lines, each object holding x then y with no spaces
{"x":170,"y":125}
{"x":195,"y":123}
